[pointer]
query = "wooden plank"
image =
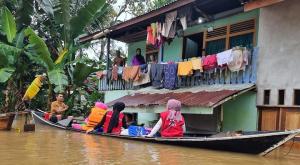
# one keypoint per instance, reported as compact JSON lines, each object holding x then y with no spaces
{"x":259,"y":4}
{"x":242,"y":33}
{"x":216,"y":38}
{"x":227,"y":37}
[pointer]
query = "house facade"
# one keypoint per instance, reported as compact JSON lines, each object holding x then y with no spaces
{"x":218,"y":99}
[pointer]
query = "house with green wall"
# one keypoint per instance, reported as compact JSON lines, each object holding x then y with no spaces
{"x":218,"y":100}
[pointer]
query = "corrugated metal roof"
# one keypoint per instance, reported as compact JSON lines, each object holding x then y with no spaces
{"x":189,"y":99}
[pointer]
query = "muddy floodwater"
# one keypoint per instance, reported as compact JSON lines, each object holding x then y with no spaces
{"x":51,"y":146}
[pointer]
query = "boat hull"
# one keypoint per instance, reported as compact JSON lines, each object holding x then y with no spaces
{"x":255,"y":143}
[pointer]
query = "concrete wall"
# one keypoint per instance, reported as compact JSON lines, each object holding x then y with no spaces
{"x":173,"y":51}
{"x":240,"y":113}
{"x":279,"y":57}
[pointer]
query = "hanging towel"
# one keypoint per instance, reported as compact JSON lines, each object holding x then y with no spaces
{"x":224,"y":58}
{"x":170,"y":78}
{"x":157,"y":75}
{"x":114,"y":74}
{"x":131,"y":73}
{"x":237,"y":60}
{"x":144,"y":77}
{"x":185,"y":68}
{"x":150,"y":37}
{"x":183,"y":22}
{"x":197,"y":64}
{"x":210,"y":62}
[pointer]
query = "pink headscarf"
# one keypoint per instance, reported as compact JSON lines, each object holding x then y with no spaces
{"x":174,"y":107}
{"x":101,"y":105}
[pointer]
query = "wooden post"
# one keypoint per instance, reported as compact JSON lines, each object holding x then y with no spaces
{"x":108,"y":53}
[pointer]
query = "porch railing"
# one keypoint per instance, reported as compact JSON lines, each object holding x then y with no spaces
{"x":216,"y":76}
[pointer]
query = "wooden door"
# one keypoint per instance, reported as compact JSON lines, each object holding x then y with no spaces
{"x":269,"y":119}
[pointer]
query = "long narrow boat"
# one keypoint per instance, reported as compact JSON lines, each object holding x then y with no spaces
{"x":249,"y":142}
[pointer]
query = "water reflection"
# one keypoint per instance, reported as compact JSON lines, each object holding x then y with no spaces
{"x":52,"y":146}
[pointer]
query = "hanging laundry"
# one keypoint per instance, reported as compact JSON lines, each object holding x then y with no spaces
{"x":197,"y":64}
{"x":120,"y":70}
{"x":150,"y":37}
{"x":144,"y":77}
{"x":157,"y":75}
{"x":170,"y":78}
{"x":154,"y":30}
{"x":210,"y":62}
{"x":246,"y":55}
{"x":185,"y":68}
{"x":224,"y":57}
{"x":131,"y":73}
{"x":237,"y":60}
{"x":170,"y":24}
{"x":185,"y":15}
{"x":114,"y":75}
{"x":183,"y":22}
{"x":163,"y":30}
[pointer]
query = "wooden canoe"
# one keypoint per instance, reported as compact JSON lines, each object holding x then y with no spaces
{"x":249,"y":142}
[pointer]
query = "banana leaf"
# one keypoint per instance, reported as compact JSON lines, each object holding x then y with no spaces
{"x":24,"y":14}
{"x":8,"y":24}
{"x":85,"y":16}
{"x":59,"y":79}
{"x":38,"y":49}
{"x":81,"y":73}
{"x":5,"y":74}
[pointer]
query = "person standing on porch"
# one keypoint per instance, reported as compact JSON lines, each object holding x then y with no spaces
{"x":118,"y":61}
{"x":138,"y":59}
{"x":171,"y":122}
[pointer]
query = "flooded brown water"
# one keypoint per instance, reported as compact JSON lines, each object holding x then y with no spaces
{"x":51,"y":146}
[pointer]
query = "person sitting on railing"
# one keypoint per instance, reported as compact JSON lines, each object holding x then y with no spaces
{"x":138,"y":59}
{"x":58,"y":107}
{"x":171,"y":122}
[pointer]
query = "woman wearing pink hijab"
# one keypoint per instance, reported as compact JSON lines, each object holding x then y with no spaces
{"x":171,"y":122}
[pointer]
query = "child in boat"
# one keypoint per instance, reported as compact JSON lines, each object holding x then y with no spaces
{"x":171,"y":122}
{"x":95,"y":117}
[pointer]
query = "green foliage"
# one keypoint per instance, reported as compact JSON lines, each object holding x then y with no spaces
{"x":62,"y":17}
{"x":24,"y":14}
{"x":59,"y":79}
{"x":5,"y":74}
{"x":47,"y":6}
{"x":85,"y":16}
{"x":81,"y":72}
{"x":8,"y":24}
{"x":38,"y":49}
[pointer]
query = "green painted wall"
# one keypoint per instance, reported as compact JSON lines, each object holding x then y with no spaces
{"x":132,"y":49}
{"x":240,"y":113}
{"x":173,"y":52}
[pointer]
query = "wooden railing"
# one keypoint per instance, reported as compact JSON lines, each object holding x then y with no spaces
{"x":216,"y":76}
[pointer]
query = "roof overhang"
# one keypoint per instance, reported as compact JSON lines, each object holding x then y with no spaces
{"x":135,"y":28}
{"x":200,"y":100}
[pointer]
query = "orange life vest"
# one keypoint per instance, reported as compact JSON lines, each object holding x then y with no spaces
{"x":94,"y":118}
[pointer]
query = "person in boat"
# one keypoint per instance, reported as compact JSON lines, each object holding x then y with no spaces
{"x":96,"y":115}
{"x":58,"y":107}
{"x":114,"y":120}
{"x":171,"y":122}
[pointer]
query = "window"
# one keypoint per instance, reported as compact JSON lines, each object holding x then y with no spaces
{"x":281,"y":94}
{"x":226,"y":37}
{"x":192,"y":46}
{"x":297,"y":96}
{"x":267,"y":97}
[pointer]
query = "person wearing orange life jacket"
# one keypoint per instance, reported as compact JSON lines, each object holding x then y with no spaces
{"x":171,"y":122}
{"x":95,"y":117}
{"x":115,"y":120}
